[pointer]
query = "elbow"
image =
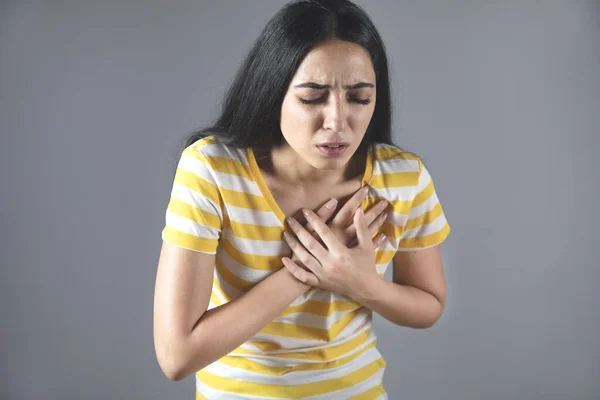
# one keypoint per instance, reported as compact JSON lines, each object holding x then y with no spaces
{"x":171,"y":360}
{"x":173,"y":372}
{"x":171,"y":367}
{"x":433,"y":318}
{"x":176,"y":361}
{"x":177,"y":375}
{"x":427,"y":324}
{"x":438,"y":314}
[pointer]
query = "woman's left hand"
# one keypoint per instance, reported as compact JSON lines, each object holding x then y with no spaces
{"x":336,"y":268}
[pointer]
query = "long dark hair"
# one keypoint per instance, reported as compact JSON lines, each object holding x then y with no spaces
{"x":250,"y":115}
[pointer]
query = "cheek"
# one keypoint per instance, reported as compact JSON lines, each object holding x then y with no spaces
{"x":364,"y":116}
{"x":300,"y":118}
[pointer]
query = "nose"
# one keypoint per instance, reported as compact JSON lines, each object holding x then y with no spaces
{"x":335,"y":118}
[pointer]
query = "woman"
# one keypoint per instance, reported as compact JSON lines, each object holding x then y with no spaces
{"x":258,"y":295}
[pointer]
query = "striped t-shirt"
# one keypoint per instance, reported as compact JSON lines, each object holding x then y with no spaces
{"x":323,"y":345}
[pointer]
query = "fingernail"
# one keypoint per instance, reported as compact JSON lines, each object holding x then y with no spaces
{"x":306,"y":213}
{"x":366,"y":190}
{"x":286,"y":235}
{"x":331,"y":204}
{"x":291,"y":221}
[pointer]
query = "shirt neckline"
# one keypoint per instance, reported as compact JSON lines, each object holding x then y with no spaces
{"x":262,"y":184}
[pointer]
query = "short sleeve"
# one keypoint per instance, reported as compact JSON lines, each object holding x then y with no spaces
{"x":426,"y":225}
{"x":194,"y":215}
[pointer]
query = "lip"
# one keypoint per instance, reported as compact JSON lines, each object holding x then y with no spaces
{"x":333,"y":144}
{"x":332,"y":152}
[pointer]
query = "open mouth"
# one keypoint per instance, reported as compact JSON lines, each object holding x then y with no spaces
{"x":332,"y":150}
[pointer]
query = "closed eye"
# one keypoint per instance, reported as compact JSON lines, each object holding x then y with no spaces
{"x":321,"y":99}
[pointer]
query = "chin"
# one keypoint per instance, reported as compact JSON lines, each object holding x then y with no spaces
{"x":332,"y":164}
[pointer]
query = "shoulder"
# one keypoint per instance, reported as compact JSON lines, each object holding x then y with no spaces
{"x":214,"y":153}
{"x":386,"y":155}
{"x":395,"y":167}
{"x":226,"y":167}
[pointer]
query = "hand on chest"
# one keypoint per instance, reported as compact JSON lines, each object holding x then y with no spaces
{"x":293,"y":200}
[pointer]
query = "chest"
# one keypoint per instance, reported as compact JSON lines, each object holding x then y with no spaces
{"x":292,"y":200}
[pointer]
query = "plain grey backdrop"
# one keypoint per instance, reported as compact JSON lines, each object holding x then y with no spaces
{"x":500,"y":98}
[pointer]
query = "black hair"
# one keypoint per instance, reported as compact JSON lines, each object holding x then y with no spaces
{"x":250,"y":115}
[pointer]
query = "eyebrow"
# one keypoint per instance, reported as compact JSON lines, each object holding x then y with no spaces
{"x":313,"y":85}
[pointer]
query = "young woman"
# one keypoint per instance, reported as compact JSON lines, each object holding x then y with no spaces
{"x":256,"y":294}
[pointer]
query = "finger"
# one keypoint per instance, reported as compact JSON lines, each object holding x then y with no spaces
{"x":373,"y":228}
{"x":375,"y":211}
{"x":378,"y":223}
{"x":325,"y":212}
{"x":374,"y":217}
{"x":347,"y":211}
{"x":305,"y":245}
{"x":300,"y":252}
{"x":300,"y":273}
{"x":377,"y":241}
{"x":324,"y":232}
{"x":362,"y":230}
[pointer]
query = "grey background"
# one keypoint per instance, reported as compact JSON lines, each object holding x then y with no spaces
{"x":501,"y":98}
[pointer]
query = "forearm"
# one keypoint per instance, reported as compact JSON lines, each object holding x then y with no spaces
{"x":224,"y":328}
{"x":400,"y":304}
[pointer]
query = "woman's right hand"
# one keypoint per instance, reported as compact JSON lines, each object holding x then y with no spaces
{"x":342,"y":224}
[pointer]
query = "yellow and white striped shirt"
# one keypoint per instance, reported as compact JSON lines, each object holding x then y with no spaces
{"x":323,"y":345}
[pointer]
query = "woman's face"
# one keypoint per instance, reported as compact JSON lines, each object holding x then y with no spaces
{"x":330,"y":101}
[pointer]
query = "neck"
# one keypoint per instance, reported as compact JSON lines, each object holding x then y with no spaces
{"x":287,"y":167}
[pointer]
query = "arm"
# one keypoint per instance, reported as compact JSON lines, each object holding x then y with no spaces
{"x":417,"y":296}
{"x":186,"y":336}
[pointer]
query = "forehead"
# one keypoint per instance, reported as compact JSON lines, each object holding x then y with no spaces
{"x":336,"y":62}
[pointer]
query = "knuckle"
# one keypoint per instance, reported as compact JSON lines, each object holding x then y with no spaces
{"x":383,"y":217}
{"x":323,"y":214}
{"x":304,"y":255}
{"x":341,"y":259}
{"x":304,"y":258}
{"x":300,"y":276}
{"x":311,"y":246}
{"x":336,"y":269}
